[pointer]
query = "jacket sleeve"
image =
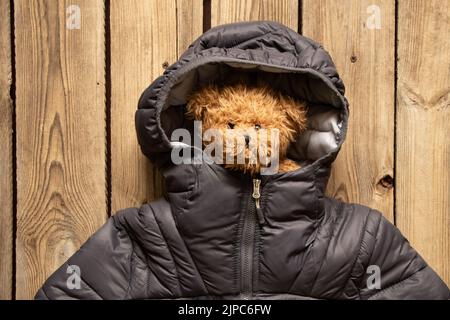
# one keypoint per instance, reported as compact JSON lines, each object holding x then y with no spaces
{"x":394,"y":270}
{"x":99,"y":270}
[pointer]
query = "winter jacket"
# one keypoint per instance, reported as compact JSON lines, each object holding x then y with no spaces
{"x":204,"y":240}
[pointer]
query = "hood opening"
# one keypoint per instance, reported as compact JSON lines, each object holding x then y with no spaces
{"x":325,"y":113}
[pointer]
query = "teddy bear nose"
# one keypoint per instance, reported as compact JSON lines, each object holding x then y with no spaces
{"x":247,"y":139}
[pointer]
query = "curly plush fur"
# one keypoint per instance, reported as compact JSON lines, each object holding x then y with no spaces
{"x":239,"y":110}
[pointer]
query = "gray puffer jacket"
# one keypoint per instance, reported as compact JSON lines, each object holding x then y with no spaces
{"x":205,"y":240}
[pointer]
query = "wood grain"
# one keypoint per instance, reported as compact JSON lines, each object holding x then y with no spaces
{"x":140,"y":46}
{"x":365,"y":60}
{"x":60,"y":135}
{"x":189,"y":23}
{"x":143,"y":38}
{"x":423,"y":130}
{"x":6,"y":178}
{"x":284,"y":11}
{"x":60,"y":115}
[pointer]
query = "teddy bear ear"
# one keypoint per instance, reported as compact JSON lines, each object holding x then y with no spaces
{"x":202,"y":100}
{"x":295,"y":111}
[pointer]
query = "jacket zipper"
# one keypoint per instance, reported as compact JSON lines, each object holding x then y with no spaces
{"x":252,"y":218}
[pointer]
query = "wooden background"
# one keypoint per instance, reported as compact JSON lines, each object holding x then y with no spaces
{"x":68,"y":150}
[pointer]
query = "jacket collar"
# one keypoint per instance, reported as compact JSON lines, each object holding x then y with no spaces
{"x":209,"y":191}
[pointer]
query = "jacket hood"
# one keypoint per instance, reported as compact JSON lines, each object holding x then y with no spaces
{"x":250,"y":50}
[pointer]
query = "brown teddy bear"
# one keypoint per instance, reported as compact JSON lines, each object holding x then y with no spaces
{"x":245,"y":117}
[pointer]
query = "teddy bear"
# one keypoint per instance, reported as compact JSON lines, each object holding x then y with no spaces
{"x":245,"y":118}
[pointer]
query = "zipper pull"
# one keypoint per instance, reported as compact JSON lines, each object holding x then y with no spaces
{"x":256,"y":195}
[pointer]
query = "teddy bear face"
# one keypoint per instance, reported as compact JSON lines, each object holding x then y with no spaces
{"x":252,"y":125}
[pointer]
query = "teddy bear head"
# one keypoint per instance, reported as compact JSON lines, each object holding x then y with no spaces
{"x":252,"y":126}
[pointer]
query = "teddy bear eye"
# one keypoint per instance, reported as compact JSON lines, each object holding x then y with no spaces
{"x":257,"y":126}
{"x":230,"y":125}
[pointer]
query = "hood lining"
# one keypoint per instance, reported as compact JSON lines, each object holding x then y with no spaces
{"x":178,"y":76}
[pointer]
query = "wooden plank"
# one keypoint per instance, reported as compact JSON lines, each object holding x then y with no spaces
{"x":60,"y":134}
{"x":423,"y":130}
{"x":364,"y":56}
{"x":189,"y":22}
{"x":143,"y":38}
{"x":284,"y":11}
{"x":6,"y":193}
